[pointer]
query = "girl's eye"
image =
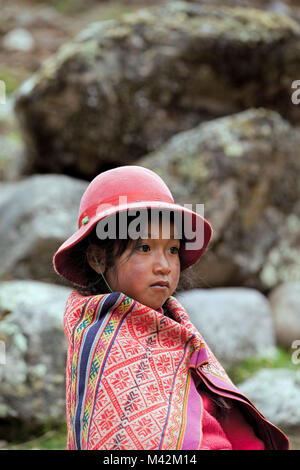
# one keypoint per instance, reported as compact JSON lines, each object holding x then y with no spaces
{"x":145,"y":247}
{"x":142,"y":246}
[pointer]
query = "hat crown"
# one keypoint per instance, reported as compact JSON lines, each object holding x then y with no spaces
{"x":136,"y":183}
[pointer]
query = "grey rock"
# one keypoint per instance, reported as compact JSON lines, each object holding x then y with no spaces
{"x":276,"y":394}
{"x":285,"y":305}
{"x":19,"y":39}
{"x":236,"y":323}
{"x":37,"y":215}
{"x":12,"y":156}
{"x":282,"y":262}
{"x":12,"y":159}
{"x":32,"y":379}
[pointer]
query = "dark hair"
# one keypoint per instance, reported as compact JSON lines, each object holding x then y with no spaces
{"x":96,"y":284}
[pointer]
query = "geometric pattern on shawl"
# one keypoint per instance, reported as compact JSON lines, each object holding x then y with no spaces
{"x":128,"y":378}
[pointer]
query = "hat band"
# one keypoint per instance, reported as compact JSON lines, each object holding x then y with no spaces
{"x":121,"y":200}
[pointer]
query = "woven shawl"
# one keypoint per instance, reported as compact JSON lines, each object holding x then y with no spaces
{"x":129,"y":377}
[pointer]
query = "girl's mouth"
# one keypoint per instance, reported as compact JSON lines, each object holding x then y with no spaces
{"x":157,"y":286}
{"x":160,"y":285}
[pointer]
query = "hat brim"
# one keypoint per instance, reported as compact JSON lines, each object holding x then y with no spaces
{"x":64,"y":262}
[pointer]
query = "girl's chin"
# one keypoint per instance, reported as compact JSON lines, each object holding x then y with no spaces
{"x":152,"y":304}
{"x":154,"y":298}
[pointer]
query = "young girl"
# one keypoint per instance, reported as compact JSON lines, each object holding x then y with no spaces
{"x":139,"y":374}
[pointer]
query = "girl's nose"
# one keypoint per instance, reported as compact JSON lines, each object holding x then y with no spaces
{"x":161,"y":264}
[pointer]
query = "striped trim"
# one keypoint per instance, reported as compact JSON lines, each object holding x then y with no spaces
{"x":103,"y":366}
{"x":184,"y":415}
{"x":88,"y":337}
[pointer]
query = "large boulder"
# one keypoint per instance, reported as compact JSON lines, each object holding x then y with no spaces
{"x":282,"y":261}
{"x":244,"y":169}
{"x":12,"y":155}
{"x":236,"y":323}
{"x":123,"y":87}
{"x":37,"y":215}
{"x":32,"y":378}
{"x":285,"y":305}
{"x":276,"y":393}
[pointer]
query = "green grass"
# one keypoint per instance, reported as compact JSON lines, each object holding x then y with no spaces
{"x":52,"y":439}
{"x":12,"y":78}
{"x":248,"y":367}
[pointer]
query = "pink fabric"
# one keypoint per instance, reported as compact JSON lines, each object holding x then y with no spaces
{"x":240,"y":433}
{"x":231,"y":432}
{"x":214,"y":437}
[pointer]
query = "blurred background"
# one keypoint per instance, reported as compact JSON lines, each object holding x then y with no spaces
{"x":205,"y":94}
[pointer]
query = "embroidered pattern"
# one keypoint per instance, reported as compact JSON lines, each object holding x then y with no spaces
{"x":128,"y":373}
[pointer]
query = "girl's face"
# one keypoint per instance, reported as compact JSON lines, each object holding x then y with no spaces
{"x":153,"y":260}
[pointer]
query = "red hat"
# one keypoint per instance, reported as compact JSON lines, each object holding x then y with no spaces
{"x":141,"y":188}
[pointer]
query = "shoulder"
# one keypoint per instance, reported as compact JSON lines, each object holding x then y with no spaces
{"x":78,"y":304}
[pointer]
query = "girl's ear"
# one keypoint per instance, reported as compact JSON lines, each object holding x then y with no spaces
{"x":96,"y":257}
